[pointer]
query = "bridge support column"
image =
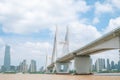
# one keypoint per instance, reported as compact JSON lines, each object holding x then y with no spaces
{"x":62,"y":67}
{"x":82,"y":64}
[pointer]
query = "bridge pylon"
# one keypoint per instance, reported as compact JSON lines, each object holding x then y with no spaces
{"x":64,"y":67}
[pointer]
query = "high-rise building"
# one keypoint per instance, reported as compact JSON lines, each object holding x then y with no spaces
{"x":108,"y":65}
{"x":32,"y":67}
{"x":42,"y":69}
{"x":6,"y":66}
{"x":24,"y":66}
{"x":119,"y":65}
{"x":93,"y":67}
{"x":112,"y":65}
{"x":100,"y":64}
{"x":0,"y":68}
{"x":19,"y":67}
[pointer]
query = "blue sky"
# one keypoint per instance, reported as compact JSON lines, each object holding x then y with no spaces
{"x":28,"y":26}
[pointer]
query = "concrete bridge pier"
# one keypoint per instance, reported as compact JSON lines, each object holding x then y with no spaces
{"x":63,"y":67}
{"x":82,"y":64}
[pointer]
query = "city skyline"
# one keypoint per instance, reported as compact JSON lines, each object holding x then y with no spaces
{"x":105,"y":65}
{"x":29,"y":28}
{"x":100,"y":65}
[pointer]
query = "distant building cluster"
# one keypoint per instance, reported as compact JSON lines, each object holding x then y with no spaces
{"x":22,"y":67}
{"x":102,"y":65}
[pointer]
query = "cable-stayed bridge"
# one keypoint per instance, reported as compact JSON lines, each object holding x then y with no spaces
{"x":81,"y":57}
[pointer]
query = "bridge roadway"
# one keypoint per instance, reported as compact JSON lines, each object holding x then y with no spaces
{"x":106,"y":42}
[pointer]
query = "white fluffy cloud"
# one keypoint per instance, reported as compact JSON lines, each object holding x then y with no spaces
{"x":113,"y":23}
{"x":103,"y":8}
{"x":1,"y":42}
{"x":96,"y":20}
{"x":28,"y":16}
{"x":108,"y":6}
{"x":82,"y":34}
{"x":116,"y":3}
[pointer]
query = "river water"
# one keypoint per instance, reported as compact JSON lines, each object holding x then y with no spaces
{"x":56,"y":77}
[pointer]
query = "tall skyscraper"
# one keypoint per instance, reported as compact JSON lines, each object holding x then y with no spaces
{"x":7,"y":59}
{"x":108,"y":65}
{"x":32,"y":66}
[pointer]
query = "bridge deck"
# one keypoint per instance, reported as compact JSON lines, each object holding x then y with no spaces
{"x":83,"y":50}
